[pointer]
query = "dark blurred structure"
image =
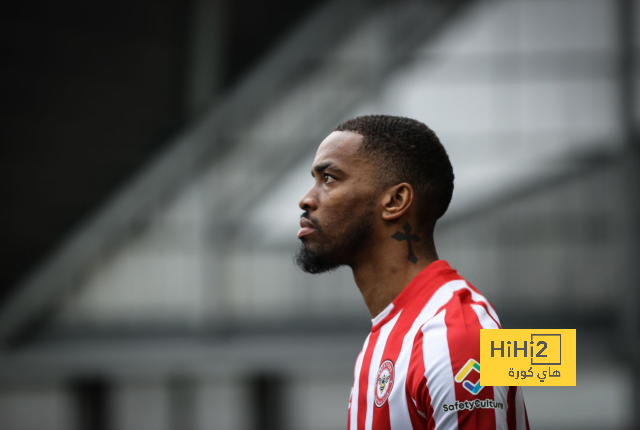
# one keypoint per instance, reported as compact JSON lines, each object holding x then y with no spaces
{"x":92,"y":91}
{"x":174,"y":303}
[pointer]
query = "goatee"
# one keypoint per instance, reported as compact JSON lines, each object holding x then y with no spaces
{"x":314,"y":263}
{"x":332,"y":253}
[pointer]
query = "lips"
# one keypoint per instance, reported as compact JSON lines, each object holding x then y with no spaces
{"x":307,"y":228}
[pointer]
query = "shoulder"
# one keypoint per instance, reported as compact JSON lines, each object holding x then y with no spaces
{"x":443,"y":378}
{"x":457,"y":312}
{"x":453,"y":333}
{"x":446,"y":353}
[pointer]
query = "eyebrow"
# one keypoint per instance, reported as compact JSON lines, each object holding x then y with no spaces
{"x":319,"y":168}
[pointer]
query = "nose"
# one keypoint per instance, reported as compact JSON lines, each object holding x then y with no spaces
{"x":308,"y":202}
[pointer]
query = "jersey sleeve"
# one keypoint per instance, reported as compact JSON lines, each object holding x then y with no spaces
{"x":444,"y":377}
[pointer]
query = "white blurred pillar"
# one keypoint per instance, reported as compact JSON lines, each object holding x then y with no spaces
{"x":140,"y":405}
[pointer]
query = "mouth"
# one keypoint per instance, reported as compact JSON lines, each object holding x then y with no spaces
{"x":306,"y":228}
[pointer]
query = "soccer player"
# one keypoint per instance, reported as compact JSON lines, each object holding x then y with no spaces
{"x":381,"y":183}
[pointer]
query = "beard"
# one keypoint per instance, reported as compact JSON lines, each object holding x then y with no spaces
{"x":336,"y":250}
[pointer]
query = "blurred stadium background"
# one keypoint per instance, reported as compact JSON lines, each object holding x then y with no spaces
{"x":154,"y":154}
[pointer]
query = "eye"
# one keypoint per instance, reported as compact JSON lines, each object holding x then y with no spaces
{"x":328,"y":178}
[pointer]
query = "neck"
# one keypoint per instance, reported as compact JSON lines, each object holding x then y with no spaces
{"x":383,"y":273}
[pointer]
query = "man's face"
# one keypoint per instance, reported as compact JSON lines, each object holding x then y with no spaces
{"x":339,"y":209}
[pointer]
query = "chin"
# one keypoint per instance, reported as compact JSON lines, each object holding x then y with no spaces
{"x":310,"y":262}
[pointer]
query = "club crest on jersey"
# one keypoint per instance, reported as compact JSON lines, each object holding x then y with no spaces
{"x":384,"y":382}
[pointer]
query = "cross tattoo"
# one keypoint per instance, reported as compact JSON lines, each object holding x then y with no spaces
{"x":408,"y":237}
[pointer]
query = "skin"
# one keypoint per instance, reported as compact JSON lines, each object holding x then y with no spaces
{"x":342,"y":192}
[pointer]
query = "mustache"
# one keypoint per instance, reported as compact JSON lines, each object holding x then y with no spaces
{"x":314,"y":221}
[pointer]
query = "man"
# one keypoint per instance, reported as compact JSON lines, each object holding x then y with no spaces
{"x":381,"y":183}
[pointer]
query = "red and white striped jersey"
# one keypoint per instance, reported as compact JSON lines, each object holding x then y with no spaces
{"x":419,"y":368}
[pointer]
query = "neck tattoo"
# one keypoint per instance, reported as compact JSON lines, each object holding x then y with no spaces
{"x":408,"y":237}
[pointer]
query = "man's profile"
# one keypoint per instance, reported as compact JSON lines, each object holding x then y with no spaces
{"x":380,"y":184}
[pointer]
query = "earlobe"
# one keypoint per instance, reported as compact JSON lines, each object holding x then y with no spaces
{"x":397,"y":201}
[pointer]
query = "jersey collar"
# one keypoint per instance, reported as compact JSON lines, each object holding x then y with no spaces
{"x":419,"y":290}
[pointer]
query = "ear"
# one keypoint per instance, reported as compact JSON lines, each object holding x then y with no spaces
{"x":397,"y":201}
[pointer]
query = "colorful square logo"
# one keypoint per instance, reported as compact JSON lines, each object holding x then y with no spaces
{"x":469,"y":366}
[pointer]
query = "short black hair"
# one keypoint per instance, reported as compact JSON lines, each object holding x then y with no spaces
{"x":406,"y":150}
